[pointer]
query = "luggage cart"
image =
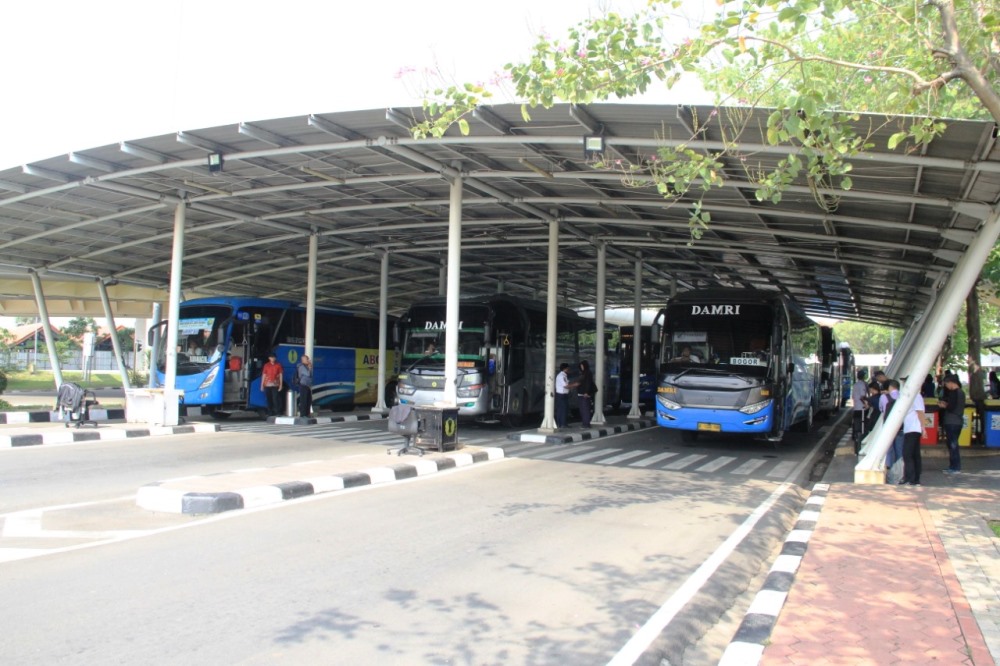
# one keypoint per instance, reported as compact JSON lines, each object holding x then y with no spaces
{"x":76,"y":401}
{"x":404,"y":420}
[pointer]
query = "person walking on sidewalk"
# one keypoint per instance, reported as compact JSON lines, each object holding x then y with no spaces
{"x":953,"y":404}
{"x":304,"y":384}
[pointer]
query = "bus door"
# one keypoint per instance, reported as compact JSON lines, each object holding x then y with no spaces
{"x":501,"y":376}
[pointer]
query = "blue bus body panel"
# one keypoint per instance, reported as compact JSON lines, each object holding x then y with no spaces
{"x":728,"y":420}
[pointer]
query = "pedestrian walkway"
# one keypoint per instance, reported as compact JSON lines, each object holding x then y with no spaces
{"x":879,"y":574}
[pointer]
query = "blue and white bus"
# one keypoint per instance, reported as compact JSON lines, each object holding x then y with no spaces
{"x":224,"y":342}
{"x":501,"y":355}
{"x":737,"y":361}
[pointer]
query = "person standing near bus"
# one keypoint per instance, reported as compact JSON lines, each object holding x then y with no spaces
{"x":952,"y":420}
{"x":271,"y":383}
{"x":562,"y":395}
{"x":859,"y":400}
{"x":585,"y":388}
{"x":304,"y":381}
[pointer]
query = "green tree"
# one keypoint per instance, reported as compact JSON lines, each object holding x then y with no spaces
{"x":78,"y":326}
{"x":935,"y":58}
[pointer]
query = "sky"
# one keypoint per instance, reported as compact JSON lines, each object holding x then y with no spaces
{"x":79,"y":75}
{"x":84,"y":74}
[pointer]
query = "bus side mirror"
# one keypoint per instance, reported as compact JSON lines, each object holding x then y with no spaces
{"x":654,"y":333}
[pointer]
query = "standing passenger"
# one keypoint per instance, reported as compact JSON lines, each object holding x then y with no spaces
{"x":584,"y":391}
{"x":953,"y":406}
{"x":271,"y":383}
{"x":304,"y":375}
{"x":859,"y":400}
{"x":562,"y":395}
{"x":913,"y":429}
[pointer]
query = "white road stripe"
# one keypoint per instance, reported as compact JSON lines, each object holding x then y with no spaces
{"x":716,"y":464}
{"x":646,"y":462}
{"x":622,"y":457}
{"x":593,"y":454}
{"x":782,"y":469}
{"x":684,"y":462}
{"x":749,"y":466}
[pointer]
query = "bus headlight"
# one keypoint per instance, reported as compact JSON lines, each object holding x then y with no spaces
{"x":405,"y":389}
{"x":755,"y":407}
{"x":211,"y":377}
{"x":470,"y":391}
{"x":669,"y":404}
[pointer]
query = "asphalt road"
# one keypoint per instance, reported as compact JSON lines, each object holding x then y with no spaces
{"x":520,"y":561}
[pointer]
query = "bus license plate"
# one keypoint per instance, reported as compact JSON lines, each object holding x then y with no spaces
{"x":710,"y":427}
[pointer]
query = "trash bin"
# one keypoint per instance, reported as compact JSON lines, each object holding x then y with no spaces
{"x":439,"y":427}
{"x":968,"y":421}
{"x":930,"y":434}
{"x":992,"y":437}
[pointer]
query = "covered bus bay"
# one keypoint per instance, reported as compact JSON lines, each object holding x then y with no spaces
{"x":348,"y":209}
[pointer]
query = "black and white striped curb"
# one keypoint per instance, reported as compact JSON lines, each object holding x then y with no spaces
{"x":94,"y":414}
{"x":747,"y":646}
{"x":155,"y":497}
{"x":563,"y":437}
{"x":94,"y":434}
{"x":312,"y":420}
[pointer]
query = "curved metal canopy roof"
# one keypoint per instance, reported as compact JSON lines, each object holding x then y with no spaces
{"x":357,"y":179}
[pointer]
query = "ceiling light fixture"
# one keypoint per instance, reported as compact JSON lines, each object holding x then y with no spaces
{"x":215,"y":162}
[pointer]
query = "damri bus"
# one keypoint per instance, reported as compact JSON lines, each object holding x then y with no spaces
{"x":223,"y":343}
{"x":752,"y":364}
{"x":501,"y":355}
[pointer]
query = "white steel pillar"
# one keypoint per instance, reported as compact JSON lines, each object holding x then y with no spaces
{"x":548,"y":419}
{"x":173,"y":315}
{"x":311,"y":296}
{"x":383,"y":320}
{"x":115,"y":343}
{"x":871,"y":468}
{"x":600,"y":344}
{"x":154,"y":352}
{"x":50,"y":340}
{"x":637,"y":338}
{"x":452,"y":294}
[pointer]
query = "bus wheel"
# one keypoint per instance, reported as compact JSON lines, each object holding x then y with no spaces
{"x":390,"y":394}
{"x":807,"y":424}
{"x":516,"y":416}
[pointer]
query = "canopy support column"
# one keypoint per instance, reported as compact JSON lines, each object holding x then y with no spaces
{"x":600,"y":346}
{"x":940,"y":317}
{"x":383,"y":320}
{"x":311,"y":297}
{"x":171,"y":415}
{"x":115,"y":342}
{"x":50,"y":340}
{"x":637,"y":339}
{"x":452,"y":293}
{"x":548,"y":419}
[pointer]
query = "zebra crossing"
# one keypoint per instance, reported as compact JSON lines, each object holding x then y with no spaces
{"x":339,"y":431}
{"x":745,"y":466}
{"x":673,"y":461}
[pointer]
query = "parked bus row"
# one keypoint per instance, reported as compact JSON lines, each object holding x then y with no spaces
{"x":719,"y":360}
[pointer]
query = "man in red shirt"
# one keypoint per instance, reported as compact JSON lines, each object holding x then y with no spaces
{"x":271,"y":383}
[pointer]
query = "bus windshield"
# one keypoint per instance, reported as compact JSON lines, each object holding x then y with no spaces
{"x":425,"y":335}
{"x":200,"y":338}
{"x":742,"y":343}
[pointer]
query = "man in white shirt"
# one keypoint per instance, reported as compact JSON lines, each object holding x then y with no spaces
{"x":913,"y":429}
{"x":562,"y":395}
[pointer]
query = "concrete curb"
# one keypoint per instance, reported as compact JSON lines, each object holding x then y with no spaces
{"x":747,"y":646}
{"x":155,"y":497}
{"x":57,"y":416}
{"x":313,"y":420}
{"x":560,"y":437}
{"x":99,"y":434}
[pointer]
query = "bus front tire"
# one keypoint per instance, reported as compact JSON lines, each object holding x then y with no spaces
{"x":515,"y":418}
